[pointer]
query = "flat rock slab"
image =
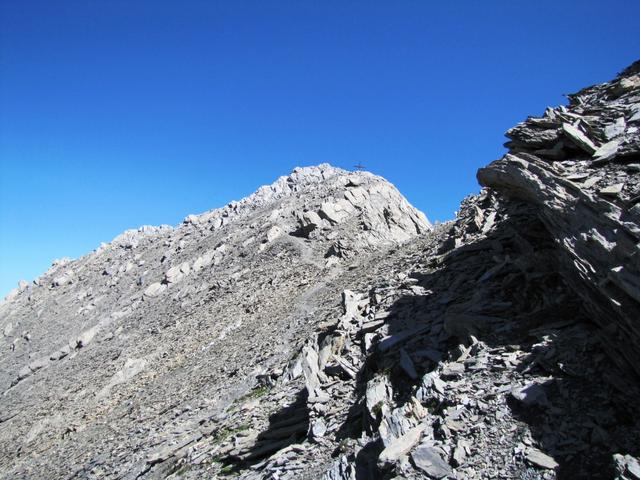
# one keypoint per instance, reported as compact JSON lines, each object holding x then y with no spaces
{"x":430,"y":461}
{"x":542,"y":460}
{"x":579,"y":138}
{"x":400,"y":446}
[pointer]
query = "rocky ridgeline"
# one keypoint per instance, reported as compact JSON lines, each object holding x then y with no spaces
{"x":580,"y":166}
{"x":321,"y":328}
{"x":100,"y":353}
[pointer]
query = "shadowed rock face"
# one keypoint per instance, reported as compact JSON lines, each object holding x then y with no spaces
{"x":321,"y":328}
{"x":579,"y":166}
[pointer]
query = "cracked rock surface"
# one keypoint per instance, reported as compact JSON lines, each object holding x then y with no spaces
{"x":323,"y":329}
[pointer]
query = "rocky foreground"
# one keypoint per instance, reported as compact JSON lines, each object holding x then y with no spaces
{"x":322,"y":328}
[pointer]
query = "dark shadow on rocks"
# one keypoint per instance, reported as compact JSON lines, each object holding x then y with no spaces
{"x":366,"y":468}
{"x":287,"y":426}
{"x":500,"y":297}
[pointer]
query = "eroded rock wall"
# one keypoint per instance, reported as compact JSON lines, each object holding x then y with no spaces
{"x":579,"y":166}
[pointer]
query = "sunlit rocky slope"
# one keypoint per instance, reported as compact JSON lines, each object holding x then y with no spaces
{"x":322,"y":328}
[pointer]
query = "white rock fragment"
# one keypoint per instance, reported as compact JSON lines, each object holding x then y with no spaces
{"x":531,"y":395}
{"x":177,"y":273}
{"x":539,"y":459}
{"x":613,"y":190}
{"x":615,"y":129}
{"x":579,"y":138}
{"x":607,"y":151}
{"x":131,"y":368}
{"x":400,"y":446}
{"x":64,"y":279}
{"x":8,"y":328}
{"x":86,"y":337}
{"x":154,"y":289}
{"x":273,"y":233}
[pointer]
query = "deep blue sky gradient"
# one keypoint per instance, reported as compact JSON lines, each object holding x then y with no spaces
{"x":115,"y":114}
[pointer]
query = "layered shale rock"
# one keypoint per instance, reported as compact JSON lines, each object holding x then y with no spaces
{"x":322,"y":328}
{"x":580,"y":166}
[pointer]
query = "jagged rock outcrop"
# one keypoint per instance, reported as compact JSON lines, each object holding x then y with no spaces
{"x":321,"y":328}
{"x":580,"y":166}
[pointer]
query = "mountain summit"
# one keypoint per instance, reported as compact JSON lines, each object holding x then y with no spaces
{"x":167,"y":318}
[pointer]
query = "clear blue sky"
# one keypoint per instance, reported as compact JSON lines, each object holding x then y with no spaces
{"x":115,"y":114}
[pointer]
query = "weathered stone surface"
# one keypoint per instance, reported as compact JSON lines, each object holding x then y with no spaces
{"x":400,"y":446}
{"x":273,"y":233}
{"x":330,"y":347}
{"x":430,"y":461}
{"x":627,"y":467}
{"x":64,"y":279}
{"x":407,"y":364}
{"x":531,"y":395}
{"x":539,"y":459}
{"x":571,"y":211}
{"x":154,"y":290}
{"x":579,"y":138}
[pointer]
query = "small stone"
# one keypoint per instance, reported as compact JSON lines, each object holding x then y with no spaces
{"x":318,"y":428}
{"x":154,"y":289}
{"x":607,"y":151}
{"x":615,"y":129}
{"x":87,"y":336}
{"x":459,"y":454}
{"x":579,"y":138}
{"x":407,"y":364}
{"x":38,"y":364}
{"x":64,"y":279}
{"x":453,"y":370}
{"x":431,"y":384}
{"x":591,"y":181}
{"x":531,"y":395}
{"x":350,"y":302}
{"x":273,"y":233}
{"x":613,"y":190}
{"x":177,"y":273}
{"x":627,"y":467}
{"x":311,"y":219}
{"x":379,"y":392}
{"x":429,"y":460}
{"x":329,"y":212}
{"x":24,"y":372}
{"x":7,"y":329}
{"x":59,"y":354}
{"x":400,"y":446}
{"x":539,"y":459}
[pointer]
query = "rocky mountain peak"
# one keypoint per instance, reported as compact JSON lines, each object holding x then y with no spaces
{"x":306,"y":189}
{"x":322,"y":328}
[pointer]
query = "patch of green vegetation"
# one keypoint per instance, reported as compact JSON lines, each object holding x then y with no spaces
{"x":343,"y":446}
{"x":377,"y":408}
{"x":387,"y":371}
{"x":225,"y":470}
{"x":225,"y":433}
{"x":258,"y":392}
